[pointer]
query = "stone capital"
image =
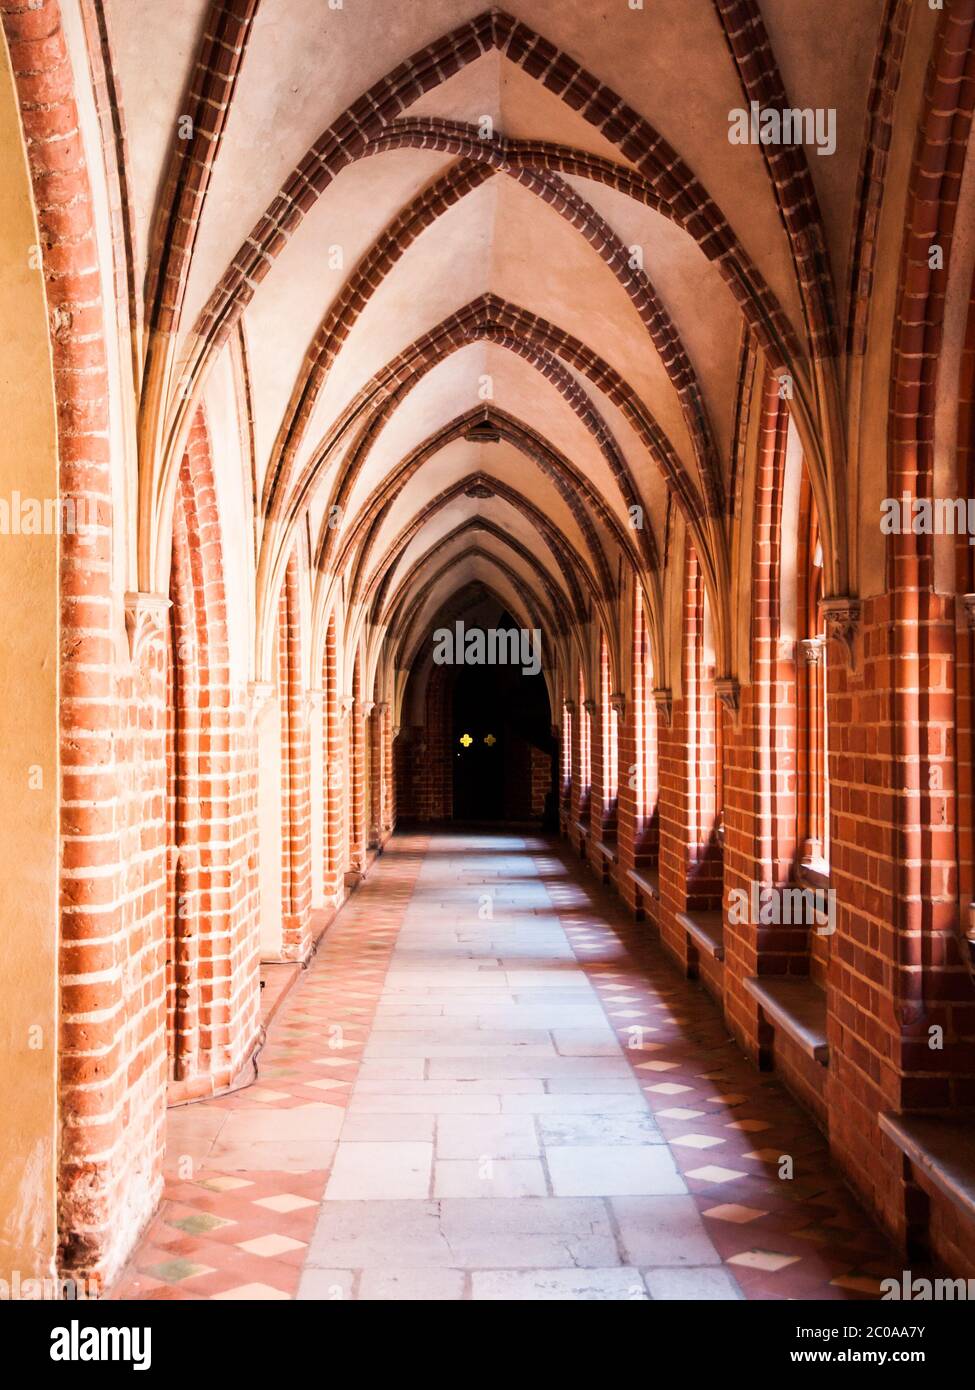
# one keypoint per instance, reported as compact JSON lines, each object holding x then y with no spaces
{"x":663,"y":699}
{"x":259,"y":695}
{"x":145,"y":622}
{"x":728,"y":691}
{"x":842,"y":617}
{"x":314,"y":701}
{"x":811,"y":650}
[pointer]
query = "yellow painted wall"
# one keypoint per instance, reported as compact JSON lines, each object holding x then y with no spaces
{"x":28,"y":733}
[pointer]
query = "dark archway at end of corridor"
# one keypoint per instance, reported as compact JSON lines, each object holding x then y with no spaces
{"x":476,"y":747}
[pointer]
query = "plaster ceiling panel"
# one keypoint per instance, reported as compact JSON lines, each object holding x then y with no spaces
{"x":449,"y":518}
{"x":478,"y":592}
{"x":543,"y":409}
{"x":692,"y":290}
{"x":520,"y":390}
{"x":284,"y":316}
{"x":826,"y":54}
{"x":153,"y":50}
{"x":544,"y":265}
{"x":447,"y":390}
{"x":445,"y":268}
{"x":644,"y":469}
{"x":453,"y":388}
{"x":441,"y":524}
{"x":474,"y":570}
{"x":670,"y":62}
{"x":306,"y":63}
{"x":460,"y":459}
{"x":468,"y":96}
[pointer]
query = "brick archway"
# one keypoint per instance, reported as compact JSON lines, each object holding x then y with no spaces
{"x":212,"y":937}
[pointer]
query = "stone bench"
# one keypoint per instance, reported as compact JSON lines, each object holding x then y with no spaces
{"x":797,"y":1005}
{"x":646,"y":881}
{"x":941,"y":1151}
{"x":706,"y":931}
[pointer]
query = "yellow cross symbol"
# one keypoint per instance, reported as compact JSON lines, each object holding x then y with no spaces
{"x":466,"y":740}
{"x":490,"y":740}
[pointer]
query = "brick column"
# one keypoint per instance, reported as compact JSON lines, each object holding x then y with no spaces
{"x":383,"y":796}
{"x":569,"y":764}
{"x":628,"y":805}
{"x":674,"y":773}
{"x":690,"y":771}
{"x":334,"y":769}
{"x":582,"y":780}
{"x":296,"y":769}
{"x":374,"y":734}
{"x":393,"y":766}
{"x":357,"y":804}
{"x":598,"y":718}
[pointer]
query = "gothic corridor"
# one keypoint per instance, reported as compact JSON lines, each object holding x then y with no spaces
{"x":487,"y":688}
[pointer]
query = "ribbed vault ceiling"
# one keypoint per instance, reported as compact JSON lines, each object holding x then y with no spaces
{"x":486,"y":250}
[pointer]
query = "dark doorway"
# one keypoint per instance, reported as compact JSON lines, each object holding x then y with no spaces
{"x":478,"y":745}
{"x":500,"y":716}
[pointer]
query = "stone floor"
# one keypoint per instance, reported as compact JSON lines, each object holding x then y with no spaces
{"x":491,"y":1084}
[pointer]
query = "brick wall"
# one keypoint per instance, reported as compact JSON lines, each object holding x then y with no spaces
{"x":540,"y":779}
{"x":425,"y":789}
{"x":334,"y":858}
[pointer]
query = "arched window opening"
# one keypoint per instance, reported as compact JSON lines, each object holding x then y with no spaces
{"x":609,"y":734}
{"x":644,"y":772}
{"x":705,"y":820}
{"x":791,"y":662}
{"x":812,"y":829}
{"x":567,"y":768}
{"x":585,"y":750}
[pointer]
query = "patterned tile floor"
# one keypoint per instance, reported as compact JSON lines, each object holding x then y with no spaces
{"x":491,"y":1084}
